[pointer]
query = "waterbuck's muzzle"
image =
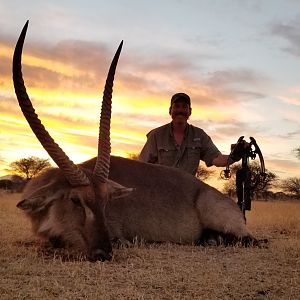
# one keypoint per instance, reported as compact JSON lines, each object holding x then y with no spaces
{"x":100,"y":251}
{"x":99,"y":254}
{"x":99,"y":244}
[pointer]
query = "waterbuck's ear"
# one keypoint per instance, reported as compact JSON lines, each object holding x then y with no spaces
{"x":38,"y":203}
{"x":30,"y":205}
{"x":117,"y":190}
{"x":25,"y":205}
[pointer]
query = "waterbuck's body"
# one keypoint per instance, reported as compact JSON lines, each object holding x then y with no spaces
{"x":167,"y":205}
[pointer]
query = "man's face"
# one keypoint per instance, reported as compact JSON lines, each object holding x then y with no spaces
{"x":180,"y":111}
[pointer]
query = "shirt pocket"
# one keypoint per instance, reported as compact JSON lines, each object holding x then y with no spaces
{"x":166,"y":155}
{"x":194,"y":153}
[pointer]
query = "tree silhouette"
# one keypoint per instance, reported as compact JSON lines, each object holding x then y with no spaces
{"x":134,"y":156}
{"x":291,"y":186}
{"x":264,"y":184}
{"x":204,"y":173}
{"x":29,"y":167}
{"x":297,"y":150}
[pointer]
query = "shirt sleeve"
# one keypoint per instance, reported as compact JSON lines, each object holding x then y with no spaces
{"x":210,"y":151}
{"x":149,"y":152}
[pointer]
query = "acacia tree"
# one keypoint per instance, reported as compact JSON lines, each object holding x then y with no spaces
{"x":134,"y":156}
{"x":264,"y":184}
{"x":204,"y":173}
{"x":29,"y":167}
{"x":229,"y":187}
{"x":291,"y":186}
{"x":297,"y":150}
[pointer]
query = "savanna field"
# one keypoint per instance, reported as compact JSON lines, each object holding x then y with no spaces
{"x":31,"y":269}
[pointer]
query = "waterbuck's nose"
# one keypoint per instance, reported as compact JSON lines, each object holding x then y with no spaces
{"x":99,"y":254}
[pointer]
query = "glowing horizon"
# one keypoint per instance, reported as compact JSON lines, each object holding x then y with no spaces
{"x":234,"y":91}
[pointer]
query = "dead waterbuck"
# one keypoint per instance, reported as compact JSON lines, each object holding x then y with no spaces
{"x":165,"y":204}
{"x":66,"y":205}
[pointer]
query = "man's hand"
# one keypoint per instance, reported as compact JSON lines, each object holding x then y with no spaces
{"x":238,"y":150}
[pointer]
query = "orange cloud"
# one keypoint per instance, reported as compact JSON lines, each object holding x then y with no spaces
{"x":65,"y":84}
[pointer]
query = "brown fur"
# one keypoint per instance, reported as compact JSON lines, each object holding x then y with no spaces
{"x":66,"y":215}
{"x":168,"y":205}
{"x":165,"y":205}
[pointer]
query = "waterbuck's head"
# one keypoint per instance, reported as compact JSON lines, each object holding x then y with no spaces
{"x":66,"y":204}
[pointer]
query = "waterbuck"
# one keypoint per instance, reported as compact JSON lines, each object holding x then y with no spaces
{"x":163,"y":204}
{"x":66,"y":205}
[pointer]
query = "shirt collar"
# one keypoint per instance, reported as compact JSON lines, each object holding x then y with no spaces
{"x":186,"y":131}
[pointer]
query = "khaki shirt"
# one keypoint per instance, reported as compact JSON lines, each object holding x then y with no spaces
{"x":161,"y":148}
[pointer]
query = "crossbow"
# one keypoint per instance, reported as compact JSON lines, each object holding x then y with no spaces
{"x":246,"y":179}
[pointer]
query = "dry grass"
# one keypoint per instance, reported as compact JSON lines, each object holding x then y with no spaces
{"x":30,"y":270}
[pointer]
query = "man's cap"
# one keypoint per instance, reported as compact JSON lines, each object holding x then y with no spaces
{"x":181,"y":97}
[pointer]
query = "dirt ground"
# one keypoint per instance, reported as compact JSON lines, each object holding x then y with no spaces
{"x":30,"y":269}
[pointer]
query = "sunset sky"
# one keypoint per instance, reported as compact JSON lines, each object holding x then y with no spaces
{"x":238,"y":60}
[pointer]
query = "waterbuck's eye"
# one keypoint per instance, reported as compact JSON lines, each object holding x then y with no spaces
{"x":76,"y":201}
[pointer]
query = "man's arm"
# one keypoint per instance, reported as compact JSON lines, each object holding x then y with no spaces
{"x":149,"y":152}
{"x":221,"y":160}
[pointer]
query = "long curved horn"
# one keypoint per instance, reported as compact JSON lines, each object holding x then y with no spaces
{"x":74,"y":175}
{"x":101,"y":169}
